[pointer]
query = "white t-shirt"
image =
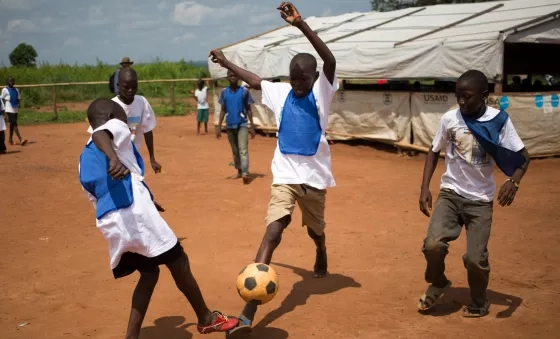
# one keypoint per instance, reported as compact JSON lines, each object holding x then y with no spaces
{"x":138,"y":228}
{"x":6,"y":96}
{"x":469,"y":169}
{"x":141,"y":118}
{"x":315,"y":170}
{"x":202,"y":98}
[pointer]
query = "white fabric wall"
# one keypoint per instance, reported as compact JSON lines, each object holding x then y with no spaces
{"x":395,"y":116}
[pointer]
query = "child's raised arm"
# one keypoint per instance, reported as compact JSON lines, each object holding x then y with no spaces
{"x":250,"y":78}
{"x":290,"y":13}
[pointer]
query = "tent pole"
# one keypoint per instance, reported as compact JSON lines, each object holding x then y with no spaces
{"x":449,"y":25}
{"x":552,"y":15}
{"x":375,"y":26}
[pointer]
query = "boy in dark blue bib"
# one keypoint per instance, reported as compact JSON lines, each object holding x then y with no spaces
{"x":301,"y":166}
{"x":236,"y":109}
{"x":111,"y":174}
{"x":474,"y":137}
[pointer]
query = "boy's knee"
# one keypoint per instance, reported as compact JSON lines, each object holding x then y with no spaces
{"x":433,"y":246}
{"x":275,"y":229}
{"x":314,"y":235}
{"x":476,"y":261}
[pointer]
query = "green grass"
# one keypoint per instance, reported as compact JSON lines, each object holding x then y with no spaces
{"x":63,"y":73}
{"x":28,"y":116}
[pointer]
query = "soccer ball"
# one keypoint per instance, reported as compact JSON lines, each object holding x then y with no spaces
{"x":257,"y":284}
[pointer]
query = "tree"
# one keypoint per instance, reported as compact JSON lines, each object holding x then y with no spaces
{"x":23,"y":55}
{"x":392,"y":5}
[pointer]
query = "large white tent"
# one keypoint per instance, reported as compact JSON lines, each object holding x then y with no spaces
{"x":422,"y":42}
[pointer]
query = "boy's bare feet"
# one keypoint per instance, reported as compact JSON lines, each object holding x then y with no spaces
{"x":320,"y":268}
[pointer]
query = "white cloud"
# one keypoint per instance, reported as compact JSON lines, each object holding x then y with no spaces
{"x":73,"y":42}
{"x":263,"y":18}
{"x":96,"y":16}
{"x":190,"y":13}
{"x":185,"y":37}
{"x":162,"y":6}
{"x":327,"y":12}
{"x":21,"y":26}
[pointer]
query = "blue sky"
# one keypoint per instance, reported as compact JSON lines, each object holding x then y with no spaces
{"x":81,"y":31}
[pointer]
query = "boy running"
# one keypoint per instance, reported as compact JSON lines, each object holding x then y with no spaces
{"x":201,"y":95}
{"x":236,"y":104}
{"x":11,"y":99}
{"x":474,"y":137}
{"x":301,"y":166}
{"x":111,"y":174}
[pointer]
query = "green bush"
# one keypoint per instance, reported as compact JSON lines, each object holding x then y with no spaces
{"x":63,"y":73}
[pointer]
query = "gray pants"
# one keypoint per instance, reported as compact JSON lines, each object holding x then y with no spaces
{"x":239,"y":141}
{"x":450,"y":213}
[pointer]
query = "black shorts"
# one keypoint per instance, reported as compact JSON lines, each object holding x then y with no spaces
{"x":131,"y":262}
{"x":12,"y":118}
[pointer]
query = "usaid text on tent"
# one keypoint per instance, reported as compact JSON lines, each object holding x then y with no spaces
{"x":436,"y":97}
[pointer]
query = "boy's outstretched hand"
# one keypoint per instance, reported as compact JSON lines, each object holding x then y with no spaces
{"x":507,"y":193}
{"x":289,"y":12}
{"x":218,"y":57}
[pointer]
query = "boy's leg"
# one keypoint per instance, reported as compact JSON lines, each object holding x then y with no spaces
{"x":312,"y":204}
{"x":198,"y":120}
{"x":13,"y":123}
{"x":140,"y":301}
{"x":478,"y":222}
{"x":208,"y":321}
{"x":16,"y":127}
{"x":445,"y":226}
{"x":243,"y":142}
{"x":2,"y":140}
{"x":233,"y":141}
{"x":280,"y":208}
{"x":205,"y":119}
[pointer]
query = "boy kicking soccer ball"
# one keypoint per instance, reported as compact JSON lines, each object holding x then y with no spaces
{"x":472,"y":136}
{"x":301,"y":166}
{"x":111,"y":173}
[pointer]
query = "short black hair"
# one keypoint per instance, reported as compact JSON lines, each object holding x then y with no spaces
{"x":127,"y":73}
{"x":305,"y":61}
{"x":477,"y":78}
{"x":100,"y":109}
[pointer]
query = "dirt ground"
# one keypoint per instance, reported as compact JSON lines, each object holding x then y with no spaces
{"x":55,"y":267}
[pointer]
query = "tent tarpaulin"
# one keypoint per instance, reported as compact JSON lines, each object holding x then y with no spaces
{"x":423,"y":42}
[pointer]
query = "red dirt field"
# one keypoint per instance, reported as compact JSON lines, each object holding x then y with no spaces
{"x":55,"y":265}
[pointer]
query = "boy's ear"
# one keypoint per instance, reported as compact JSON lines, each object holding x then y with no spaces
{"x":485,"y":95}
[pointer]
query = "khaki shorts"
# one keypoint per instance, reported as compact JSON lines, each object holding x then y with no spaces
{"x":311,"y":202}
